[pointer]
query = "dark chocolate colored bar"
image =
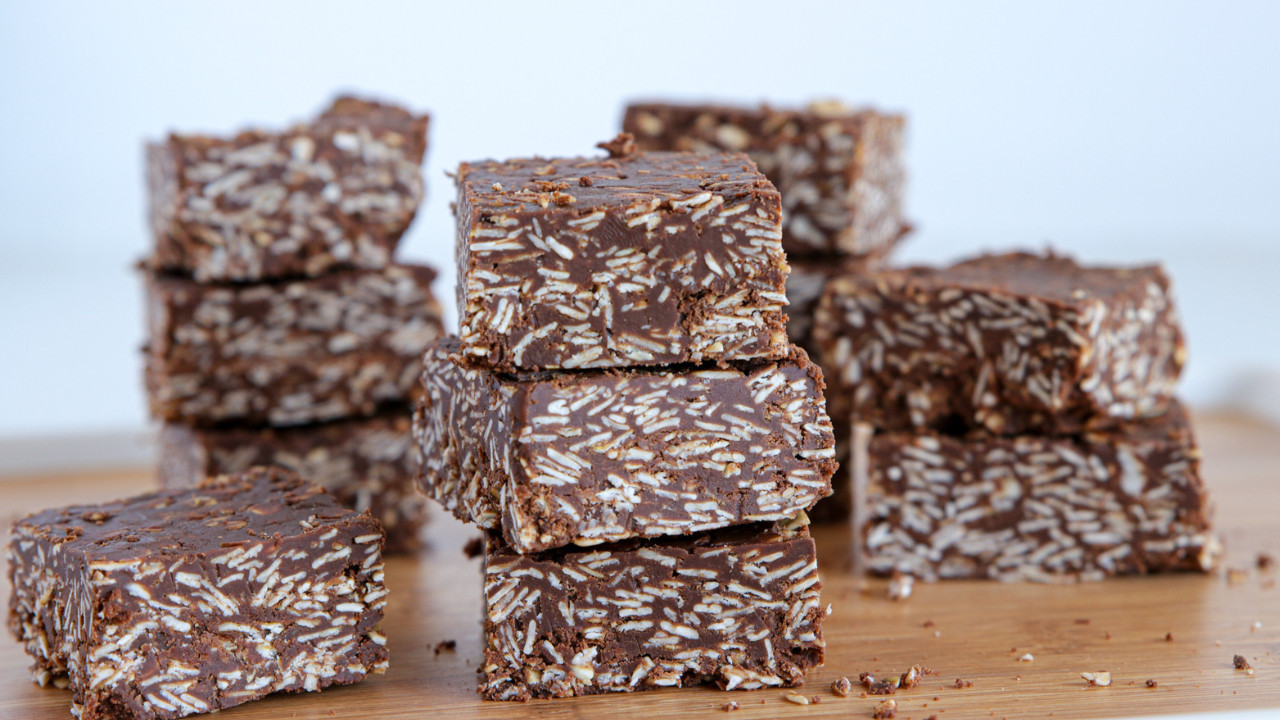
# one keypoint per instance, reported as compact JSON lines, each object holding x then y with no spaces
{"x":287,"y":353}
{"x":590,"y":457}
{"x":189,"y":601}
{"x":1032,"y":507}
{"x":840,"y":171}
{"x":636,"y":260}
{"x":365,"y":463}
{"x":336,"y":193}
{"x":1012,"y":344}
{"x":736,"y":608}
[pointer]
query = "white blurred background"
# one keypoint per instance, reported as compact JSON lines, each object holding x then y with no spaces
{"x":1114,"y":131}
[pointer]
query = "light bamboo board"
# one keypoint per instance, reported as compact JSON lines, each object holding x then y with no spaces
{"x":971,"y":630}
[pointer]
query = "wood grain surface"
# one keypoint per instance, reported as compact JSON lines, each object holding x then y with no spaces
{"x":976,"y":631}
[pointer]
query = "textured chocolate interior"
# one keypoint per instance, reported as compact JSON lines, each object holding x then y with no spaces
{"x":185,"y":601}
{"x":736,"y":608}
{"x":642,"y":260}
{"x":336,"y":193}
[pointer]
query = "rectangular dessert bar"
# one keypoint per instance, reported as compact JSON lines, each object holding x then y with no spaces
{"x":806,"y":282}
{"x":736,"y":608}
{"x":189,"y":601}
{"x":290,"y":352}
{"x":365,"y":463}
{"x":840,"y":171}
{"x":551,"y":459}
{"x":1031,"y":507}
{"x":1012,"y":344}
{"x":338,"y":192}
{"x":648,"y":259}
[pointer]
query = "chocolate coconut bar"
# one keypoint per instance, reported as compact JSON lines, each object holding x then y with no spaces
{"x":336,"y":193}
{"x":635,"y":260}
{"x":190,"y":601}
{"x":365,"y":463}
{"x":588,"y":457}
{"x":1031,"y":507}
{"x":1012,"y":344}
{"x":736,"y":608}
{"x":840,"y":171}
{"x":290,"y":352}
{"x":806,"y":282}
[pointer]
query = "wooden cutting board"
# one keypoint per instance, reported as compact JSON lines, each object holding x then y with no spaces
{"x":975,"y":631}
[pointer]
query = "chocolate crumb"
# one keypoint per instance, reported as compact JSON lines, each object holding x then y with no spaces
{"x":445,"y":646}
{"x":1107,"y":635}
{"x":1168,"y":637}
{"x":1241,"y":663}
{"x":1265,"y":562}
{"x":814,"y":699}
{"x":961,"y":684}
{"x":563,"y":198}
{"x":883,"y":687}
{"x":930,"y":623}
{"x":729,"y":706}
{"x":1152,"y":683}
{"x":885,"y":709}
{"x":623,"y":146}
{"x":474,"y":548}
{"x":550,"y":186}
{"x":900,"y":586}
{"x":1083,"y":621}
{"x":841,"y":687}
{"x":585,"y":181}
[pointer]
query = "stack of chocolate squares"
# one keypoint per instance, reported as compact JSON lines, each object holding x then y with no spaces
{"x":1016,"y":420}
{"x":624,"y":416}
{"x":281,"y":329}
{"x":841,"y":174}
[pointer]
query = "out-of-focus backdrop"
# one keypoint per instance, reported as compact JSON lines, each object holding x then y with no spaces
{"x":1118,"y":132}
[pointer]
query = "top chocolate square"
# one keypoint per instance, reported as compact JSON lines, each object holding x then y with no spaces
{"x":1010,"y":344}
{"x":639,"y":259}
{"x":338,"y":192}
{"x":840,"y":170}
